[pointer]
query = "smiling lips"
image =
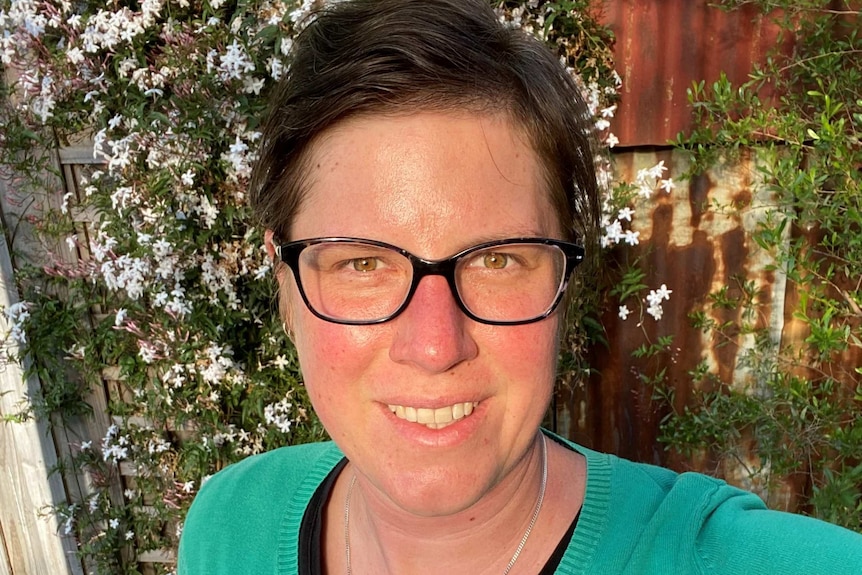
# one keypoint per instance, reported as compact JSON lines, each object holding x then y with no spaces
{"x":434,"y":418}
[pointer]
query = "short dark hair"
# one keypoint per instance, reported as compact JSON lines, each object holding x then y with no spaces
{"x":361,"y":57}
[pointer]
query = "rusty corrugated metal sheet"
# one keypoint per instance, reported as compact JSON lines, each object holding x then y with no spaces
{"x":695,"y":250}
{"x":662,"y":46}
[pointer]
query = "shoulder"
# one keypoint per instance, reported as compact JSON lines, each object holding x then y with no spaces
{"x":285,"y":465}
{"x":741,"y":535}
{"x":250,"y":508}
{"x":255,"y":480}
{"x":648,"y":519}
{"x":708,"y":526}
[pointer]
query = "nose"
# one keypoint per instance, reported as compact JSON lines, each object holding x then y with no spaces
{"x":432,"y":332}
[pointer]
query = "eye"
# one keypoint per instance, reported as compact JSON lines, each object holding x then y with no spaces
{"x":364,"y":264}
{"x":495,"y":260}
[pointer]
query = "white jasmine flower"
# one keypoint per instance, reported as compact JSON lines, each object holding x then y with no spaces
{"x":69,"y":521}
{"x":609,"y":111}
{"x":625,"y":214}
{"x":278,"y":414}
{"x":235,"y":62}
{"x":17,"y":314}
{"x":75,"y":55}
{"x":662,"y":292}
{"x":658,"y":170}
{"x":655,"y":311}
{"x":275,"y":67}
{"x":645,"y":191}
{"x":624,"y":312}
{"x":252,"y":85}
{"x":667,"y":185}
{"x":158,"y":445}
{"x":160,"y":299}
{"x":613,"y":234}
{"x":147,"y":352}
{"x":188,"y":178}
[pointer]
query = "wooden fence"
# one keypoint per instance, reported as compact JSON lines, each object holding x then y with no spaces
{"x":32,"y":540}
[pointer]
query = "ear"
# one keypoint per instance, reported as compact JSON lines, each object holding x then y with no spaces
{"x":283,"y":303}
{"x":270,"y":247}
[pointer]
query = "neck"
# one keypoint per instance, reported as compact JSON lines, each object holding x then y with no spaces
{"x":479,"y":539}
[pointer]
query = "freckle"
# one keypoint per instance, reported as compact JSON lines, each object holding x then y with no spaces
{"x":472,"y":519}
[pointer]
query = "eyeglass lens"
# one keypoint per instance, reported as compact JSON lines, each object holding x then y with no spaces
{"x":354,"y":281}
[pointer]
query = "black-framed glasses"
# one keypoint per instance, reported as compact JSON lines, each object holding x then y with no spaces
{"x":359,"y":282}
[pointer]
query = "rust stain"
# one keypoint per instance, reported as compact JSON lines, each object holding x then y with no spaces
{"x":665,"y":45}
{"x":695,"y":250}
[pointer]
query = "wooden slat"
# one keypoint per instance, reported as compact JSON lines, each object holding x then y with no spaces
{"x":86,"y":215}
{"x":157,"y":556}
{"x":80,"y":155}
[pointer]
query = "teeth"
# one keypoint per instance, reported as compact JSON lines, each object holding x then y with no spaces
{"x":410,"y":414}
{"x":434,"y":418}
{"x":425,"y":416}
{"x":458,"y":410}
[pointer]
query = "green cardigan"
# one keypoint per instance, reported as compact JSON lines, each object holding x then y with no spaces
{"x":636,"y":519}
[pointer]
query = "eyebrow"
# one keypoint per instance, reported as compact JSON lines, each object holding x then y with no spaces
{"x":507,"y":235}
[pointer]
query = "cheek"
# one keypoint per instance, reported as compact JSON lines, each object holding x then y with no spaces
{"x":334,"y":357}
{"x":525,"y":358}
{"x":530,"y":348}
{"x":338,"y":364}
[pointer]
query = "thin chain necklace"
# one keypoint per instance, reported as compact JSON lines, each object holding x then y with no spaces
{"x":520,"y":545}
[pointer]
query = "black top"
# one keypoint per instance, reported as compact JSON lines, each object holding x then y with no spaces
{"x":312,"y":526}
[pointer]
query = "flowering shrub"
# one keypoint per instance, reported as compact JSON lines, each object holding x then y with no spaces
{"x":170,"y":274}
{"x":165,"y":293}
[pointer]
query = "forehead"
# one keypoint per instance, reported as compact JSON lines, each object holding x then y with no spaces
{"x":425,"y":181}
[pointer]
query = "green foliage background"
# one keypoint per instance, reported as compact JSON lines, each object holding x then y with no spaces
{"x":800,"y":408}
{"x":169,"y":292}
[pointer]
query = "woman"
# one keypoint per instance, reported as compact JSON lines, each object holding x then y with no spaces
{"x":427,"y":186}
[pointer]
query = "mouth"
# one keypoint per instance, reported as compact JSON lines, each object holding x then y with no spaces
{"x":434,"y":418}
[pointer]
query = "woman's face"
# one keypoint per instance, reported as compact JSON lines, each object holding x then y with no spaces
{"x":433,"y":184}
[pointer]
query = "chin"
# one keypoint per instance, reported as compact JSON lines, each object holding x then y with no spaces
{"x":433,"y":492}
